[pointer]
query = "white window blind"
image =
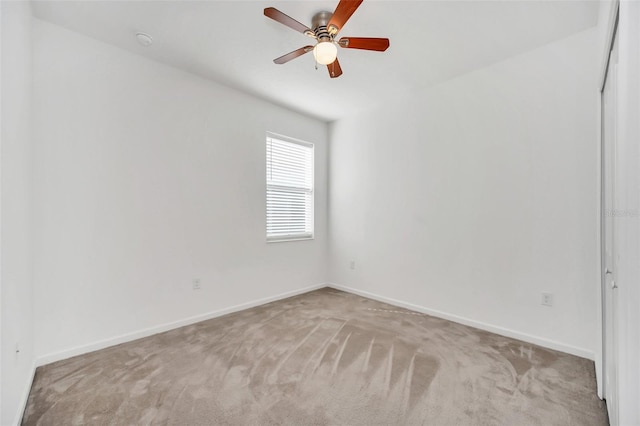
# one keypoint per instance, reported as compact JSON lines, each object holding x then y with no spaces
{"x":289,"y":189}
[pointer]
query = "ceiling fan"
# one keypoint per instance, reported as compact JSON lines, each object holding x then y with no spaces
{"x":324,"y":29}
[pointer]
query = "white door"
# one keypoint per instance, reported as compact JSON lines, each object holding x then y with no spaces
{"x":609,"y":292}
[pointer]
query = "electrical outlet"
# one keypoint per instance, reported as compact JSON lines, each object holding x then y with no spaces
{"x":352,"y":265}
{"x":196,"y":283}
{"x":547,"y":299}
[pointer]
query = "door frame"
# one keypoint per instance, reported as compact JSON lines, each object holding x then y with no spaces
{"x":609,"y":238}
{"x":613,"y":16}
{"x":628,"y":191}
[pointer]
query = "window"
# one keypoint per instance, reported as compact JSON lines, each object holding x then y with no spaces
{"x":289,"y":189}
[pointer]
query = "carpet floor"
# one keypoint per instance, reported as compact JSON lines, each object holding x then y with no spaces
{"x":322,"y":358}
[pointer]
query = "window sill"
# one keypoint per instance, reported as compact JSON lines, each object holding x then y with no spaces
{"x":286,"y":239}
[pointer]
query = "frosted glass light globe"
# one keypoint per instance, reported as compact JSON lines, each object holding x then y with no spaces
{"x":325,"y":52}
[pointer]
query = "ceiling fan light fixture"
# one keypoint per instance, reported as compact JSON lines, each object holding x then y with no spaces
{"x":325,"y":27}
{"x":325,"y":52}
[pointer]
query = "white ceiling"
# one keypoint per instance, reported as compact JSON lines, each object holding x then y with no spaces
{"x":232,"y":42}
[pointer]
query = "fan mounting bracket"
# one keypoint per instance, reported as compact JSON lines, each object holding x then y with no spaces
{"x":320,"y":19}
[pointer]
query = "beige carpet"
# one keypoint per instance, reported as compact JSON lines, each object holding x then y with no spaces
{"x":326,"y":357}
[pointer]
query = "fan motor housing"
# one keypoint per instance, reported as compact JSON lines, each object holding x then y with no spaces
{"x":319,"y":24}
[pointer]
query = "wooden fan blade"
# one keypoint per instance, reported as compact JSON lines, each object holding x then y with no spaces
{"x":292,"y":55}
{"x":276,"y":15}
{"x":334,"y":69}
{"x":365,"y":43}
{"x":343,"y":12}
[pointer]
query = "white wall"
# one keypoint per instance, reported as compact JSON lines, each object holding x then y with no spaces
{"x":146,"y":177}
{"x":471,"y":198}
{"x":16,"y":318}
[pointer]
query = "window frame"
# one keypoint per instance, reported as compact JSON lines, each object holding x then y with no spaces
{"x":299,"y":236}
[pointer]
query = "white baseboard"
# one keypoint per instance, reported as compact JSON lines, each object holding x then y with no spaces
{"x":540,"y":341}
{"x":17,"y":420}
{"x":101,"y":344}
{"x":112,"y":341}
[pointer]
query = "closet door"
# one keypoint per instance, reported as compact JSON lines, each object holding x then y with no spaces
{"x":609,"y":286}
